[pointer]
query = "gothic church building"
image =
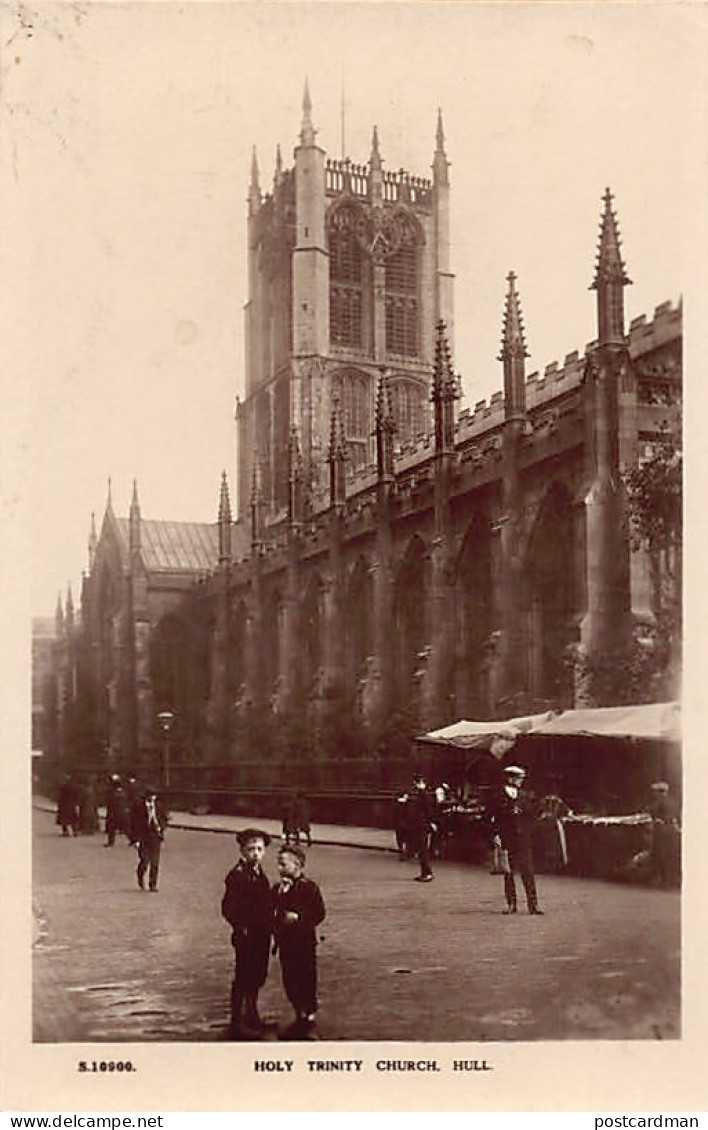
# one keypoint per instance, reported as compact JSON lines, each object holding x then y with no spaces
{"x":393,"y":557}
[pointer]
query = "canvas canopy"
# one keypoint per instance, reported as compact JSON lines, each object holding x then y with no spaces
{"x":485,"y":735}
{"x":659,"y":721}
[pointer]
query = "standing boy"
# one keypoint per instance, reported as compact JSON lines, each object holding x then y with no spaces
{"x":299,"y":909}
{"x":248,"y":906}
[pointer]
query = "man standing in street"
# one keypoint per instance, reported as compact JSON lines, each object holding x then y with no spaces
{"x":513,"y":817}
{"x":247,"y":906}
{"x":422,"y":811}
{"x":148,"y":831}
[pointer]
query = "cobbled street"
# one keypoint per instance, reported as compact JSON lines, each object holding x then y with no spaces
{"x":399,"y":961}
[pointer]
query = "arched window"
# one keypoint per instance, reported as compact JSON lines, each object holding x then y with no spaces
{"x":409,"y":616}
{"x":551,"y":599}
{"x":346,"y":271}
{"x":355,"y":399}
{"x":408,"y":405}
{"x":402,"y":299}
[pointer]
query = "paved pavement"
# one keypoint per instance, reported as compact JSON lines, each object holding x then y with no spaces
{"x":339,"y":835}
{"x":399,"y":960}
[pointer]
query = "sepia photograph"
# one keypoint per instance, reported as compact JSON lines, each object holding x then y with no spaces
{"x":354,"y":472}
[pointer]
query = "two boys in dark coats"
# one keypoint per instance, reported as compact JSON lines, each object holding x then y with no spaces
{"x":289,"y":914}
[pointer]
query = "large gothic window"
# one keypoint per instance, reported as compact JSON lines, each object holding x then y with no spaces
{"x":346,"y":273}
{"x":410,"y":637}
{"x":474,"y":603}
{"x":402,"y":299}
{"x":408,"y":406}
{"x":355,"y":400}
{"x":550,"y":599}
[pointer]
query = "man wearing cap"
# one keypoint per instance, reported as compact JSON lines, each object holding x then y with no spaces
{"x":298,"y":910}
{"x":247,"y":906}
{"x":513,"y":817}
{"x":664,"y":834}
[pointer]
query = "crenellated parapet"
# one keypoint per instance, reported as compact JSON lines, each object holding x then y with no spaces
{"x":398,"y":187}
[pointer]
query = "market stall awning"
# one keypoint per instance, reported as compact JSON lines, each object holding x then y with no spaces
{"x":483,"y":735}
{"x":660,"y":721}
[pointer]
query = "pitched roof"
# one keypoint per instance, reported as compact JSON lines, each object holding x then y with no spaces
{"x":175,"y":547}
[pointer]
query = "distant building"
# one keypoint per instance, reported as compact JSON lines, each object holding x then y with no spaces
{"x":43,"y":638}
{"x":393,"y":557}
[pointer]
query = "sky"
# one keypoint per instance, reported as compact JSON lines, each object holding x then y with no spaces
{"x":127,"y":146}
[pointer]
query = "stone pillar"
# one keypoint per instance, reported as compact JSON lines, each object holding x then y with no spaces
{"x":437,"y":684}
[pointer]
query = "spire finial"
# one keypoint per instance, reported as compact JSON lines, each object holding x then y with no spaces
{"x":441,"y":173}
{"x":444,"y":379}
{"x":610,"y":265}
{"x":59,"y":616}
{"x":295,"y":479}
{"x":254,"y":187}
{"x":337,"y":439}
{"x":224,"y":521}
{"x":134,"y":520}
{"x":255,"y":480}
{"x":439,"y":134}
{"x":444,"y":393}
{"x":92,"y":542}
{"x":109,"y":498}
{"x":278,"y":164}
{"x":337,"y":456}
{"x":224,"y":499}
{"x":513,"y":343}
{"x":294,"y":455}
{"x":307,"y":133}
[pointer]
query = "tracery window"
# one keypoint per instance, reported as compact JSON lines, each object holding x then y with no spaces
{"x":346,"y":270}
{"x":355,"y":399}
{"x":408,"y":405}
{"x":402,"y":301}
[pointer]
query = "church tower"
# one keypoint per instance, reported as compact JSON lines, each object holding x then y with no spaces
{"x":348,"y":274}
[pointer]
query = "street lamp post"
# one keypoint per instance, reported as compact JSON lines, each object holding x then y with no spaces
{"x":166,"y":720}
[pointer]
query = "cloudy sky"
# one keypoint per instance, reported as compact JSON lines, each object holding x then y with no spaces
{"x":128,"y":143}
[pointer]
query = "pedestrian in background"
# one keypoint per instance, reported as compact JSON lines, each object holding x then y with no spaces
{"x":247,"y":906}
{"x":401,"y":825}
{"x":132,"y":796}
{"x":422,"y":826}
{"x":148,"y":829}
{"x":302,"y":818}
{"x":551,"y":832}
{"x":513,"y":816}
{"x":298,"y":910}
{"x":68,"y":807}
{"x":664,"y":851}
{"x":88,"y":809}
{"x":116,"y":818}
{"x":289,"y":831}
